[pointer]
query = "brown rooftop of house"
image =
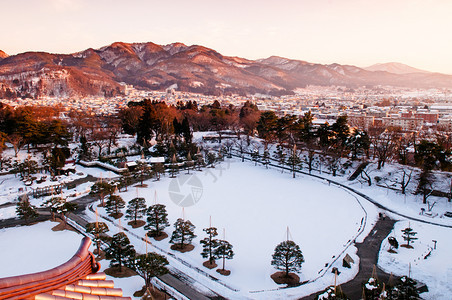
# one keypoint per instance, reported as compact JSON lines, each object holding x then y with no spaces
{"x":75,"y":279}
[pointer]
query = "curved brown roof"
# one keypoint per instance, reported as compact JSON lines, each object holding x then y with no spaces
{"x":75,"y":279}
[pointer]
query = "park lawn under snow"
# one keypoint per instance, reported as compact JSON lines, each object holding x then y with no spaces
{"x":435,"y":271}
{"x":255,"y":206}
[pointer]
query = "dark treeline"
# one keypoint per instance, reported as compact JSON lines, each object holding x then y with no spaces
{"x":172,"y":125}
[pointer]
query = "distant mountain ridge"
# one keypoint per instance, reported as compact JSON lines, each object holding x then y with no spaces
{"x":395,"y":67}
{"x":3,"y":54}
{"x":191,"y":68}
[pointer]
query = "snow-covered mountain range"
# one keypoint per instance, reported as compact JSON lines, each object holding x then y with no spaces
{"x":192,"y":68}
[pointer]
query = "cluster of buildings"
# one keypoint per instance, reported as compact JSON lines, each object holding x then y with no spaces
{"x":409,"y":109}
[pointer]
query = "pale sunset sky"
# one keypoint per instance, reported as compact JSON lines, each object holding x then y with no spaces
{"x":356,"y":32}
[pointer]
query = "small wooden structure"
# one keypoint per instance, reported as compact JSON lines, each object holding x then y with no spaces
{"x":47,"y":190}
{"x":347,"y":261}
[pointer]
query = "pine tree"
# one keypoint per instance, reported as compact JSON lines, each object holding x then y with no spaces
{"x":211,"y":159}
{"x":280,"y":156}
{"x":174,"y":167}
{"x":66,"y":209}
{"x":97,"y":229}
{"x":102,"y":188}
{"x":209,"y":244}
{"x":224,"y":251}
{"x":157,"y":220}
{"x":125,"y":180}
{"x":183,"y":233}
{"x":142,"y":171}
{"x":150,"y":265}
{"x":294,"y":162}
{"x":266,"y":158}
{"x":54,"y":204}
{"x":136,"y":208}
{"x":409,"y":235}
{"x":405,"y":288}
{"x":114,"y":205}
{"x":120,"y":251}
{"x":25,"y":210}
{"x":158,"y":170}
{"x":287,"y":257}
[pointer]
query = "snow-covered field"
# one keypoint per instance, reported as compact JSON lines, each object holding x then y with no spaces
{"x":435,"y":270}
{"x":255,"y":206}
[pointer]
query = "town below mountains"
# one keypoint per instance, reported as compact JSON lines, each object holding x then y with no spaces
{"x":106,"y":72}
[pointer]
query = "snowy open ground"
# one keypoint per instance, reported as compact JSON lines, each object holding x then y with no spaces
{"x":255,"y":205}
{"x":435,"y":271}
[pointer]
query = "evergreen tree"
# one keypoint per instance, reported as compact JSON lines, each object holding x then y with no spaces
{"x":189,"y":162}
{"x":408,"y":235}
{"x":209,"y":244}
{"x":84,"y":152}
{"x":142,"y":171}
{"x":294,"y":162}
{"x":114,"y":205}
{"x":174,"y":166}
{"x":25,"y":210}
{"x":136,"y":208}
{"x":183,"y":233}
{"x":186,"y":131}
{"x":287,"y":257}
{"x":120,"y":251}
{"x":331,"y":293}
{"x":150,"y":265}
{"x":157,"y":220}
{"x":67,"y":208}
{"x":372,"y":289}
{"x":211,"y":158}
{"x":280,"y":156}
{"x":97,"y":229}
{"x":266,"y":158}
{"x":53,"y":204}
{"x":158,"y":169}
{"x":405,"y":289}
{"x":224,"y":251}
{"x":255,"y":156}
{"x":125,"y":180}
{"x":102,"y":189}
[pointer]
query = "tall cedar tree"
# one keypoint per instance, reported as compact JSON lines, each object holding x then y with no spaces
{"x":102,"y":189}
{"x":157,"y":220}
{"x":114,"y":205}
{"x":25,"y":210}
{"x":224,"y":251}
{"x":209,"y":244}
{"x":408,"y":235}
{"x":120,"y":251}
{"x":97,"y":229}
{"x":183,"y":233}
{"x":150,"y":265}
{"x":287,"y":257}
{"x":136,"y":209}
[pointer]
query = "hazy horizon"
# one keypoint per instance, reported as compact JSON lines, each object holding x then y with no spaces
{"x":354,"y":32}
